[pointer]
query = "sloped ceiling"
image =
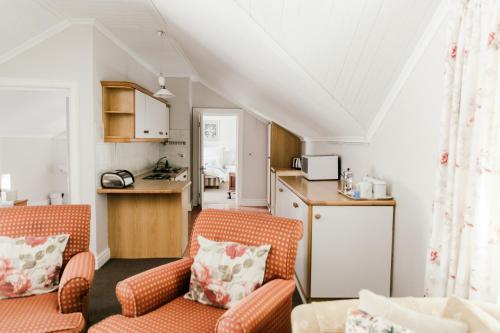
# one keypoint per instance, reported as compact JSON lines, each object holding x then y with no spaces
{"x":321,"y":68}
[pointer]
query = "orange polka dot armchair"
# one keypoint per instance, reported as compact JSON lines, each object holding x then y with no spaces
{"x":153,"y":300}
{"x":64,"y":310}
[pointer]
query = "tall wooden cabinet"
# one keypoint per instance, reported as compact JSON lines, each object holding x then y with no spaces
{"x":282,"y":147}
{"x":131,"y":113}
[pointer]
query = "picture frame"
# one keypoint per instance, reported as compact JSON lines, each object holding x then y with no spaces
{"x":211,"y":129}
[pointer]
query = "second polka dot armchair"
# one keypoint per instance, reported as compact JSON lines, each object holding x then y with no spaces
{"x":153,"y":300}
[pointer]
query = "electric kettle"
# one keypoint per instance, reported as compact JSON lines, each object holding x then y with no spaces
{"x":297,"y":163}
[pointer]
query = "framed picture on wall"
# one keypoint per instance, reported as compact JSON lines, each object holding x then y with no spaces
{"x":211,"y":129}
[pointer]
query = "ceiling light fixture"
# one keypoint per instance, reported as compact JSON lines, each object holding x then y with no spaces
{"x":163,"y":92}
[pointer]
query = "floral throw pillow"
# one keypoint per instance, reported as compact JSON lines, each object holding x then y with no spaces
{"x":30,"y":265}
{"x":358,"y":321}
{"x":223,"y":273}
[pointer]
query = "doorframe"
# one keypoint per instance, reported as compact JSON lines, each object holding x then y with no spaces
{"x":197,"y":112}
{"x":71,"y":89}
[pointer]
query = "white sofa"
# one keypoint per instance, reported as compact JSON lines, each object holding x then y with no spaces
{"x":306,"y":318}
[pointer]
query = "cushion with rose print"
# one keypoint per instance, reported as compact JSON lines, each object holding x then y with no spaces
{"x":223,"y":273}
{"x":30,"y":265}
{"x":358,"y":321}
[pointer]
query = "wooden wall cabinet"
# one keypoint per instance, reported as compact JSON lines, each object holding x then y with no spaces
{"x":132,"y":114}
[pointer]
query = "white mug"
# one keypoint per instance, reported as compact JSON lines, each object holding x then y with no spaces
{"x":365,"y":190}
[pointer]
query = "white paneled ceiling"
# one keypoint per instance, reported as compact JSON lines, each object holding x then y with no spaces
{"x":135,"y":23}
{"x":33,"y":114}
{"x":21,"y":20}
{"x":354,"y":49}
{"x":321,"y":68}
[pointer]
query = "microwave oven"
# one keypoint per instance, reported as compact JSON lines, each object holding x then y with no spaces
{"x":321,"y":167}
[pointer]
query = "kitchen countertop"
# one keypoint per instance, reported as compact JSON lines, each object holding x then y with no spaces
{"x":273,"y":169}
{"x":324,"y":193}
{"x":150,"y":186}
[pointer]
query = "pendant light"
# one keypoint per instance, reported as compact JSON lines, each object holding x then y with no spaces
{"x":163,"y":92}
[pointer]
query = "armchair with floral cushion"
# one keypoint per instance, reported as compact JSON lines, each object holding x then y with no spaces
{"x":64,"y":310}
{"x":153,"y":301}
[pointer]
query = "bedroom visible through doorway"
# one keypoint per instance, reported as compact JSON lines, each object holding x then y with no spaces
{"x":219,"y":160}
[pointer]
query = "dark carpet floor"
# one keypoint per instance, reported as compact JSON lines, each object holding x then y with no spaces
{"x":103,"y":302}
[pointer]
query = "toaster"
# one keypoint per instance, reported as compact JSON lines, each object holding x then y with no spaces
{"x":117,"y":179}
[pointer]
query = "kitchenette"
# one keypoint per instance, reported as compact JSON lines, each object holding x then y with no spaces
{"x":149,"y":219}
{"x":347,"y":242}
{"x":147,"y":211}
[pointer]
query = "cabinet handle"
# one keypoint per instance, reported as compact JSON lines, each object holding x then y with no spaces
{"x":280,"y":189}
{"x":317,"y":216}
{"x":146,"y":131}
{"x":295,"y":205}
{"x":161,"y":133}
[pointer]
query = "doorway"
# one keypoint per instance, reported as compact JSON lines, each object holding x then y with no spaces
{"x":39,"y":141}
{"x":218,"y":154}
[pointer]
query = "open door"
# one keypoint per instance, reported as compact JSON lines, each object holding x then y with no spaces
{"x":201,"y":180}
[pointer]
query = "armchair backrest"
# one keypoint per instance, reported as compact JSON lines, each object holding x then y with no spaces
{"x":253,"y":229}
{"x":38,"y":221}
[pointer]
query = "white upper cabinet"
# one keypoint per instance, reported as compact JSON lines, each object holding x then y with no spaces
{"x":141,"y":128}
{"x":151,"y":117}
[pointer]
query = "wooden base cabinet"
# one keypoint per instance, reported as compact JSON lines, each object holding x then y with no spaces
{"x":345,"y":247}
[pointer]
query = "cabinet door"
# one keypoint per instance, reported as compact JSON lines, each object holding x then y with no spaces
{"x":273,"y":193}
{"x":141,"y":130}
{"x":300,"y":211}
{"x":351,"y":250}
{"x":166,"y":121}
{"x":283,"y":200}
{"x":181,"y":177}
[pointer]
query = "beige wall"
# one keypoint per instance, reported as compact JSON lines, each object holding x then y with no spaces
{"x":404,"y":151}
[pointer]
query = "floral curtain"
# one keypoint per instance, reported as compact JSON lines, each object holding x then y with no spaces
{"x":464,"y":251}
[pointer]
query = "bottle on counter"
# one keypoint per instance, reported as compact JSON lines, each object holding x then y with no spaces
{"x":346,"y":181}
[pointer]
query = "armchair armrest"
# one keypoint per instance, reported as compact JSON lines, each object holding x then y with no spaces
{"x":264,"y":309}
{"x":75,"y":283}
{"x":148,"y":290}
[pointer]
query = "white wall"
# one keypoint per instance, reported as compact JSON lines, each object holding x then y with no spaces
{"x":404,"y":152}
{"x":253,"y":179}
{"x":67,"y":56}
{"x":33,"y":164}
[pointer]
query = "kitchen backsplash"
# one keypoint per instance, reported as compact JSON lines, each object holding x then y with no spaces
{"x":135,"y":157}
{"x":177,"y":154}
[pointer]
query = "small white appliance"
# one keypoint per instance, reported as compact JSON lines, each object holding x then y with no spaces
{"x":321,"y":167}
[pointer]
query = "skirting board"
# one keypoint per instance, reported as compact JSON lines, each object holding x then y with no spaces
{"x":102,"y":258}
{"x":253,"y":202}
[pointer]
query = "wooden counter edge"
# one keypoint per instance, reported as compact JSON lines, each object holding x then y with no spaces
{"x":348,"y":202}
{"x":127,"y":190}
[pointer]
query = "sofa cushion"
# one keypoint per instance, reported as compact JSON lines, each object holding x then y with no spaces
{"x":37,"y":314}
{"x":30,"y":265}
{"x":223,"y":273}
{"x":478,"y":320}
{"x":384,"y":307}
{"x":361,"y":322}
{"x":179,"y":315}
{"x":253,"y":229}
